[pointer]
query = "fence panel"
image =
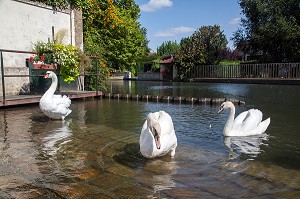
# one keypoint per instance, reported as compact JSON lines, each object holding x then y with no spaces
{"x":267,"y":71}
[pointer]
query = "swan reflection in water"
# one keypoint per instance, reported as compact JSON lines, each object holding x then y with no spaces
{"x":163,"y":170}
{"x":58,"y":137}
{"x":248,"y":145}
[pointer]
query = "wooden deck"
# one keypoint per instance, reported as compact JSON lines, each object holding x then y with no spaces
{"x":32,"y":99}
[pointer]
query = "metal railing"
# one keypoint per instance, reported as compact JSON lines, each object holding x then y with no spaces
{"x":262,"y":71}
{"x":3,"y":75}
{"x":2,"y":69}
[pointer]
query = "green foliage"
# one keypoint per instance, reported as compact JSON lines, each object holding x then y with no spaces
{"x":63,"y":56}
{"x":61,"y":4}
{"x":212,"y":40}
{"x":168,"y":48}
{"x":188,"y":55}
{"x":145,"y":41}
{"x":111,"y":31}
{"x":270,"y":29}
{"x":66,"y":58}
{"x":203,"y":47}
{"x":43,"y":51}
{"x":229,"y":62}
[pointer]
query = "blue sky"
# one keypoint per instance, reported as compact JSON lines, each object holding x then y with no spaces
{"x":172,"y":20}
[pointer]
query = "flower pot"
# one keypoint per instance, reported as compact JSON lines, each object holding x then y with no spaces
{"x":43,"y":66}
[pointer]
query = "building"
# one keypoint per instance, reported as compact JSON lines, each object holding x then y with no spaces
{"x":168,"y":70}
{"x":23,"y":23}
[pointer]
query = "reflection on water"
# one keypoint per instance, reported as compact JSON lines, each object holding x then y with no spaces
{"x":249,"y":145}
{"x":18,"y":156}
{"x":95,"y":152}
{"x":57,"y":138}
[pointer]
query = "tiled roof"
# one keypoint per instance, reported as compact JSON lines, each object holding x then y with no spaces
{"x":167,"y":61}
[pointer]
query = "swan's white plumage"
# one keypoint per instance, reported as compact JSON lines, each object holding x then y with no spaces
{"x":246,"y":123}
{"x":54,"y":106}
{"x":158,"y":135}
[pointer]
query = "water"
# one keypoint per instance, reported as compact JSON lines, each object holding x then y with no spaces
{"x":94,"y":153}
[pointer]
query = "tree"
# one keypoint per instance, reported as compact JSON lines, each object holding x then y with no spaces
{"x":241,"y":42}
{"x":188,"y":55}
{"x":203,"y":47}
{"x":271,"y":28}
{"x":167,"y":48}
{"x":146,"y":41}
{"x":111,"y":28}
{"x":213,"y":41}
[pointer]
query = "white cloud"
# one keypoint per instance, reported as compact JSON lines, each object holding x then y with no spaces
{"x":235,"y":21}
{"x":174,"y":31}
{"x":154,"y":5}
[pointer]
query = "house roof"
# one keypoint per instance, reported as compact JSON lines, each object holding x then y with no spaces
{"x":167,"y":60}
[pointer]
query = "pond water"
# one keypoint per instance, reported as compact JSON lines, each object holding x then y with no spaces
{"x":94,"y":153}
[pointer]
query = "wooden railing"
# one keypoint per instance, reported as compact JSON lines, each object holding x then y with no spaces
{"x":267,"y":71}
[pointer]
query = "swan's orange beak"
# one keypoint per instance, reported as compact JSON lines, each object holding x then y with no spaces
{"x":46,"y":75}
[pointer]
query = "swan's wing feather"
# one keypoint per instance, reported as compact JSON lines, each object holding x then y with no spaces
{"x":57,"y":96}
{"x":63,"y":100}
{"x":166,"y":122}
{"x":252,"y":120}
{"x":264,"y":125}
{"x":240,"y":118}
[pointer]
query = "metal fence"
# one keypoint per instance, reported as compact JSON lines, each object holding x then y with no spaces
{"x":266,"y":71}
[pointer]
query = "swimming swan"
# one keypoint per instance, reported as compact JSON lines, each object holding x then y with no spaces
{"x":246,"y":123}
{"x":54,"y":106}
{"x":158,"y":135}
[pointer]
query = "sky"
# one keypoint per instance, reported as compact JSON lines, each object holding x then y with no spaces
{"x":172,"y":20}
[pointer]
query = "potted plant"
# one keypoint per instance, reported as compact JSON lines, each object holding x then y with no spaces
{"x":53,"y":56}
{"x":43,"y":58}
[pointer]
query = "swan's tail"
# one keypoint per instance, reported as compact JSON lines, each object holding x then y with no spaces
{"x":264,"y":125}
{"x":68,"y":113}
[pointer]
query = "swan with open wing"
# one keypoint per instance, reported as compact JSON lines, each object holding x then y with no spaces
{"x":246,"y":123}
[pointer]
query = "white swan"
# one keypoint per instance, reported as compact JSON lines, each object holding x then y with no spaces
{"x":54,"y":106}
{"x":158,"y":135}
{"x":246,"y":123}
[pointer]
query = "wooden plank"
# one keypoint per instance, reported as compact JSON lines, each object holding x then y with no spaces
{"x":32,"y":99}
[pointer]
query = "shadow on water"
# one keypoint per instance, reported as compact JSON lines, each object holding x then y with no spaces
{"x":130,"y":156}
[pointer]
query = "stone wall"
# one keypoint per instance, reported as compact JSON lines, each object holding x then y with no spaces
{"x":23,"y":23}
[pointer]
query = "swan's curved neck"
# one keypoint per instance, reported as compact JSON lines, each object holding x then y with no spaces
{"x":53,"y":86}
{"x":229,"y":123}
